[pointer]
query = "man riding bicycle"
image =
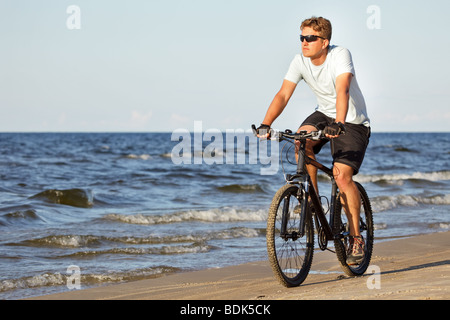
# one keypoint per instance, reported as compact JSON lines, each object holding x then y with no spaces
{"x":329,"y":72}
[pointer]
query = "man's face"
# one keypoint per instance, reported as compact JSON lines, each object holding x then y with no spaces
{"x":312,"y":49}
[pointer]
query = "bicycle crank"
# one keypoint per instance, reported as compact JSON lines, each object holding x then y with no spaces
{"x":322,"y":239}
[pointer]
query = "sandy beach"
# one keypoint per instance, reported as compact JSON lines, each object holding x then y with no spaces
{"x":416,"y":268}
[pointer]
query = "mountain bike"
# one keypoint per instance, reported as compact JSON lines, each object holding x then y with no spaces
{"x":296,"y":210}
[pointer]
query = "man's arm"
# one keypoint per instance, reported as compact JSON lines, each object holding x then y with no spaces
{"x":279,"y":102}
{"x":342,"y":96}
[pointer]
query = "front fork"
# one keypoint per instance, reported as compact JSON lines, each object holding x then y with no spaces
{"x":324,"y":227}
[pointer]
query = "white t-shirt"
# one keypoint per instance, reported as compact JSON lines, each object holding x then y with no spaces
{"x":322,"y":80}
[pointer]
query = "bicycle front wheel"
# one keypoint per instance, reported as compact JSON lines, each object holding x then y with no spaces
{"x":290,"y":255}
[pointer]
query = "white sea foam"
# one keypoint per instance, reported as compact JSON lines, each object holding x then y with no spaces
{"x":384,"y":203}
{"x":92,"y":241}
{"x":141,"y":156}
{"x":40,"y":280}
{"x":73,"y":241}
{"x":213,"y":215}
{"x":58,"y":279}
{"x":431,"y":176}
{"x":440,"y":225}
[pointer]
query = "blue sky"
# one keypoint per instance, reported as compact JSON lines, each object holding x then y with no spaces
{"x":161,"y":65}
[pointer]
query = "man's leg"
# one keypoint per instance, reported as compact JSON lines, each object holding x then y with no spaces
{"x":350,"y":197}
{"x":351,"y":201}
{"x":312,"y":171}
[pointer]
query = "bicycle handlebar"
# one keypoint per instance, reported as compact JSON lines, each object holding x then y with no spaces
{"x":302,"y":135}
{"x":287,"y":134}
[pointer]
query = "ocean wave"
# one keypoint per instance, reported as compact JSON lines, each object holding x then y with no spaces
{"x":380,"y":226}
{"x":138,"y":156}
{"x":439,"y":225}
{"x":430,"y":176}
{"x":42,"y":280}
{"x":405,"y":149}
{"x":61,"y":241}
{"x":383,"y":203}
{"x":79,"y":241}
{"x":72,"y":197}
{"x":163,"y":250}
{"x":166,"y":155}
{"x":241,"y":188}
{"x":60,"y":279}
{"x":21,"y":215}
{"x":213,"y":215}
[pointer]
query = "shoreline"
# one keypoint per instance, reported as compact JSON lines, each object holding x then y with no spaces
{"x":415,"y":268}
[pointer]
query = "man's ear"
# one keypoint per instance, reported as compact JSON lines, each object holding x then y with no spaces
{"x":326,"y":43}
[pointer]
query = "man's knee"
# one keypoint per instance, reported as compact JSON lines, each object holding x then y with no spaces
{"x":343,"y":175}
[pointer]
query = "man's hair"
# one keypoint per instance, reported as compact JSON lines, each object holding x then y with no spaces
{"x":319,"y":24}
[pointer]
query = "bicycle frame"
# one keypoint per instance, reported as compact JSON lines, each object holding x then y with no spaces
{"x":311,"y":193}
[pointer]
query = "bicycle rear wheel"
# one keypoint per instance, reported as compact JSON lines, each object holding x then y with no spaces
{"x":366,"y":228}
{"x":290,"y":256}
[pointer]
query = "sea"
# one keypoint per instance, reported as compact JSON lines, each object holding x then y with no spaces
{"x":80,"y":210}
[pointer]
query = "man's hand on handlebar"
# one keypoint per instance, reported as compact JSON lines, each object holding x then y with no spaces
{"x":334,"y":130}
{"x":263,"y":131}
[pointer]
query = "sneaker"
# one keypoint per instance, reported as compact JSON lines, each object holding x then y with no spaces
{"x":355,"y":253}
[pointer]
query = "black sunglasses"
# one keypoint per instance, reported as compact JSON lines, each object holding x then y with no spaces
{"x":310,"y":38}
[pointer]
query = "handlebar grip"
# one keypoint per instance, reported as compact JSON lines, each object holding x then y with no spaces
{"x":255,"y":131}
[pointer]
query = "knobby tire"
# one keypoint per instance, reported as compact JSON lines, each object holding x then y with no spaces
{"x":289,"y":257}
{"x":366,"y":228}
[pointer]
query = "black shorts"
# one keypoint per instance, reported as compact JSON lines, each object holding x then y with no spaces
{"x":348,"y":148}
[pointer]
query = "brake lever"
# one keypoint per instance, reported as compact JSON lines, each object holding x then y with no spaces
{"x":316,"y":135}
{"x":254,"y":130}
